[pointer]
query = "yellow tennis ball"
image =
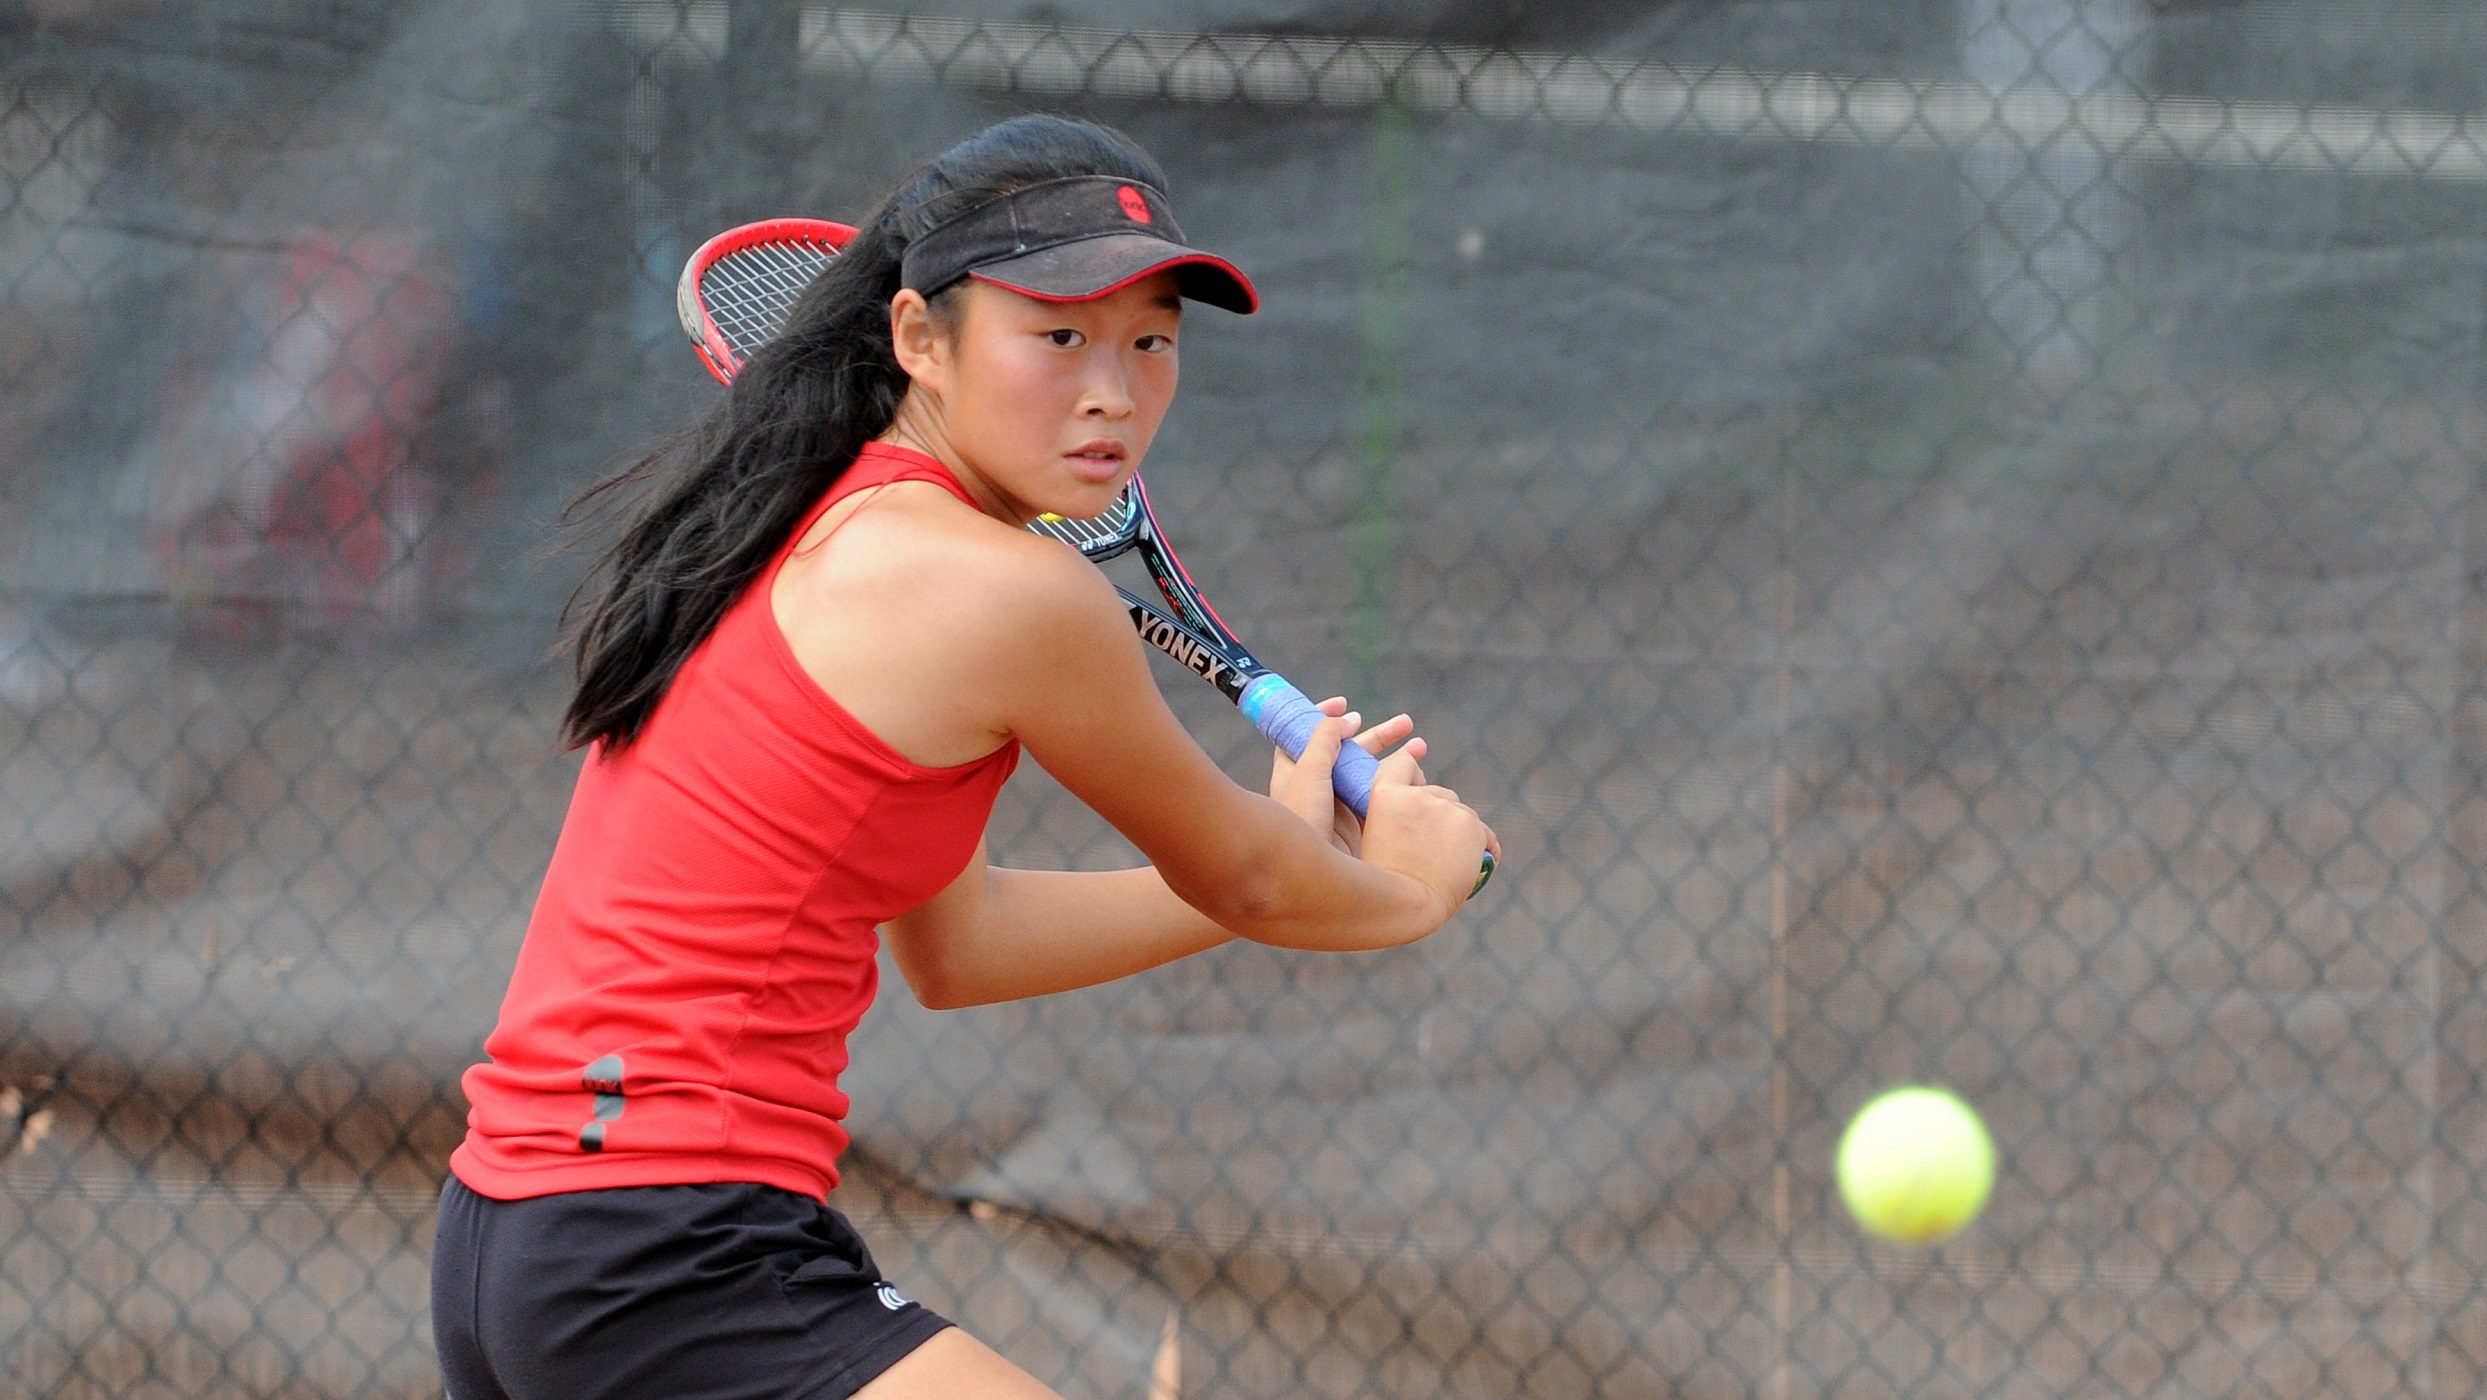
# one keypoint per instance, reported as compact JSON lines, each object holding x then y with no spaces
{"x":1916,"y":1164}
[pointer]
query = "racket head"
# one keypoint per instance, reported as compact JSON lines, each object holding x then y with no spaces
{"x":738,"y":288}
{"x":1100,"y":537}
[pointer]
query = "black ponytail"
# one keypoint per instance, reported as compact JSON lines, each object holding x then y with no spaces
{"x":705,"y":511}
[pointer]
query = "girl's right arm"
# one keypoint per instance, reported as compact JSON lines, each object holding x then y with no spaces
{"x":1085,"y":707}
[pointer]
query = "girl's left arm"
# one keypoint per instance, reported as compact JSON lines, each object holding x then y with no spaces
{"x":1000,"y":935}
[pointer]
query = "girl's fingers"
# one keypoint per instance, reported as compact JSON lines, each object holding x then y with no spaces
{"x":1321,"y":747}
{"x":1328,"y":737}
{"x":1390,"y":731}
{"x":1399,"y":768}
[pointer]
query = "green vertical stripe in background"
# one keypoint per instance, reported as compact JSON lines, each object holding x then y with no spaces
{"x":1373,"y":531}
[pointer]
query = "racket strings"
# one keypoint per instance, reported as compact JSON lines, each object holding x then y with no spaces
{"x":750,"y":292}
{"x":1115,"y":533}
{"x":1100,"y":537}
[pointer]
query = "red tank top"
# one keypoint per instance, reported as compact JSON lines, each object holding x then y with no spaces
{"x":704,"y":940}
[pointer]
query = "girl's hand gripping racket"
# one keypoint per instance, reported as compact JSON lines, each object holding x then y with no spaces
{"x":737,"y":291}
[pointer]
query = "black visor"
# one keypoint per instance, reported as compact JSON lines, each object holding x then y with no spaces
{"x":1072,"y":240}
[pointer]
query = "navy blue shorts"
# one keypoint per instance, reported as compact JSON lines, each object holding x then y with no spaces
{"x":673,"y":1291}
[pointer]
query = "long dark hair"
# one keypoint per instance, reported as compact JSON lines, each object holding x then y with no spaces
{"x":702,"y":513}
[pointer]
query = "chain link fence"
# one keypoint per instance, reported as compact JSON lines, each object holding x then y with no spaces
{"x":1940,"y":534}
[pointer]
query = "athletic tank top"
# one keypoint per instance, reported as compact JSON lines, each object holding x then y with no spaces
{"x":704,"y":939}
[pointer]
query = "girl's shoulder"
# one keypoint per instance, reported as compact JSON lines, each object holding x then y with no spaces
{"x":914,"y":545}
{"x":935,"y":626}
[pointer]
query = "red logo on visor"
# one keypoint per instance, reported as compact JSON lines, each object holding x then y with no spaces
{"x":1133,"y":204}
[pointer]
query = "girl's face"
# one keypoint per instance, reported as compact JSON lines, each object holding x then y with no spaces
{"x":1041,"y":406}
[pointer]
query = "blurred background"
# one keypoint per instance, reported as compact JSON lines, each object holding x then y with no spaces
{"x":1944,"y":534}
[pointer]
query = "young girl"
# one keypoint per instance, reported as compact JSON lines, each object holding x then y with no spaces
{"x":805,"y":668}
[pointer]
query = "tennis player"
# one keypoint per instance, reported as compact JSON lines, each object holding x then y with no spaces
{"x":818,"y":645}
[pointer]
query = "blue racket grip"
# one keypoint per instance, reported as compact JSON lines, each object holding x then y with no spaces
{"x":1281,"y":711}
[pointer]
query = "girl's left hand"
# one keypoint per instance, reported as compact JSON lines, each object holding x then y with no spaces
{"x":1305,"y":792}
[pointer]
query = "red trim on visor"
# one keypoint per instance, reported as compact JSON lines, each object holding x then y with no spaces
{"x":1251,"y":293}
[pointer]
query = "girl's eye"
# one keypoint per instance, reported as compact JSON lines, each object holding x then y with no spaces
{"x":1067,"y":338}
{"x":1156,"y":344}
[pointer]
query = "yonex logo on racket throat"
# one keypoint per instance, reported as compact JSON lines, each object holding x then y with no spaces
{"x":1183,"y":647}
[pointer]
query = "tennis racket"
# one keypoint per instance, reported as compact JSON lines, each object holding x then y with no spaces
{"x":738,"y":290}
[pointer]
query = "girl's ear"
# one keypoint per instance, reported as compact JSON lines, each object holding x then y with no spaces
{"x":917,"y":337}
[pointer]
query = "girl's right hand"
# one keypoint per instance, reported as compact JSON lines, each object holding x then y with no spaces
{"x":1303,"y":785}
{"x":1423,"y":831}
